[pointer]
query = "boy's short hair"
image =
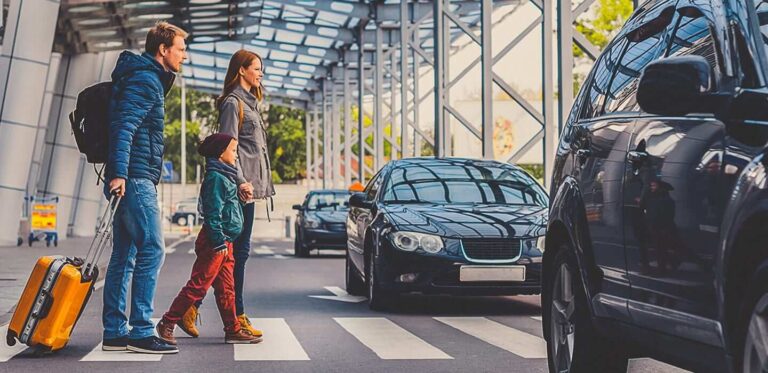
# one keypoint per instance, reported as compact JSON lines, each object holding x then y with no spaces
{"x":162,"y":33}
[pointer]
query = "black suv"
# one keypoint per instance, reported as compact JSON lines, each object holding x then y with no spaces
{"x":657,"y":240}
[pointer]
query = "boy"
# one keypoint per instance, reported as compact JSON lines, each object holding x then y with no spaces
{"x":215,"y":261}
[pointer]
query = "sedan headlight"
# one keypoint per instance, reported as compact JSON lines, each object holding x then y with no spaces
{"x":312,"y":223}
{"x":410,"y":241}
{"x":534,"y":243}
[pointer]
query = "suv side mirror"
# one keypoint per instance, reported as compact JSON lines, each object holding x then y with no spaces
{"x":360,"y":200}
{"x":676,"y":86}
{"x":297,"y":207}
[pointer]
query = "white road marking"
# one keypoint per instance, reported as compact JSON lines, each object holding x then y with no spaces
{"x":98,"y":355}
{"x":340,"y":295}
{"x":537,"y":318}
{"x":8,"y":352}
{"x":278,"y":256}
{"x":515,"y":341}
{"x":388,"y":340}
{"x":263,"y":251}
{"x":279,"y":343}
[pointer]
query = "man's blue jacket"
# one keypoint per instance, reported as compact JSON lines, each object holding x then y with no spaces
{"x":136,"y":116}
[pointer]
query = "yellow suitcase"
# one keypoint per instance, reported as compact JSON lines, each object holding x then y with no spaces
{"x":57,"y":292}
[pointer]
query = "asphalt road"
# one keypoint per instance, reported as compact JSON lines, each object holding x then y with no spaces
{"x":329,"y":333}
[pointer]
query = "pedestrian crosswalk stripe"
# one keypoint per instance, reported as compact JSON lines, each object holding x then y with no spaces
{"x":388,"y":340}
{"x":97,"y":354}
{"x":263,"y":251}
{"x":279,"y":344}
{"x":537,"y":318}
{"x":515,"y":341}
{"x":7,"y":352}
{"x":191,"y":251}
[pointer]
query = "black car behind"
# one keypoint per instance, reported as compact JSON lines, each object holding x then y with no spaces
{"x":320,"y":221}
{"x":446,"y":226}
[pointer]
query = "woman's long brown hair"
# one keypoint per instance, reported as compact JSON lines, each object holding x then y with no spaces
{"x":241,"y":58}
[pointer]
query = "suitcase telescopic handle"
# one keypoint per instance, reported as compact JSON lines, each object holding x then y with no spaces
{"x":102,"y":238}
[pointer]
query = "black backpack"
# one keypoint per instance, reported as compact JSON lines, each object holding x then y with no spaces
{"x":90,"y":122}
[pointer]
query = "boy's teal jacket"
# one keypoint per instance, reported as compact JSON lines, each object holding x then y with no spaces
{"x":222,"y":212}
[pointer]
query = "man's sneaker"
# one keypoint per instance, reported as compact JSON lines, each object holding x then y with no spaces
{"x":151,"y":345}
{"x":165,"y":331}
{"x":241,"y":337}
{"x":245,"y":323}
{"x":187,"y":324}
{"x":114,"y":344}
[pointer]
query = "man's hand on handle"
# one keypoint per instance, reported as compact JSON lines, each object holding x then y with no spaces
{"x":117,"y":186}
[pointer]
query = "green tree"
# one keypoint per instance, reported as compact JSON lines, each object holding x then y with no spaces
{"x":172,"y":139}
{"x":201,"y":107}
{"x":287,"y":142}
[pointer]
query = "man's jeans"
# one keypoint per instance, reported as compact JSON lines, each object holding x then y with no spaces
{"x":137,"y":255}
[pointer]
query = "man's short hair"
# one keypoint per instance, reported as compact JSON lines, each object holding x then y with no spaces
{"x":162,"y":33}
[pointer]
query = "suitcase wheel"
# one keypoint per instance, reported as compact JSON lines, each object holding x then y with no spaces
{"x":10,"y":339}
{"x":41,"y":351}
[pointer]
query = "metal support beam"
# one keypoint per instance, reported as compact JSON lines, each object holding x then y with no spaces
{"x":487,"y":79}
{"x":439,"y":68}
{"x":360,"y":100}
{"x":326,"y":137}
{"x":378,"y":136}
{"x":336,"y":138}
{"x":347,"y":131}
{"x":404,"y":37}
{"x":550,"y":122}
{"x":316,"y":146}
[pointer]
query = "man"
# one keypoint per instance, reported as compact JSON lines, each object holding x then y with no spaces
{"x":140,"y":83}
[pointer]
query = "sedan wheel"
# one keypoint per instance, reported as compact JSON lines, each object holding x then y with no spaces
{"x":756,"y":339}
{"x":378,"y":298}
{"x":182,"y":221}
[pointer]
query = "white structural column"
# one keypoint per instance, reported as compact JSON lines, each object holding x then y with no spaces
{"x":404,"y":36}
{"x":487,"y":78}
{"x":337,"y":181}
{"x":88,"y":197}
{"x":316,"y":146}
{"x":24,"y":62}
{"x":326,"y":137}
{"x":347,"y":130}
{"x":308,"y":146}
{"x":62,"y":167}
{"x":378,"y":125}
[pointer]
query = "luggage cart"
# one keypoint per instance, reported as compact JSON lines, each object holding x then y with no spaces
{"x":43,"y":222}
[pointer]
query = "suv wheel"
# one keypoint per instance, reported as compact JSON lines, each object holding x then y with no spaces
{"x":572,"y":343}
{"x":755,"y":314}
{"x":355,"y":285}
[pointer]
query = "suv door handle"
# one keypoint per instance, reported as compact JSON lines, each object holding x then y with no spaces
{"x":583,"y":153}
{"x":637,"y":157}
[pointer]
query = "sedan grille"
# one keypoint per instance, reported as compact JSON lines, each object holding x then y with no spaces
{"x":336,"y":227}
{"x":491,"y":249}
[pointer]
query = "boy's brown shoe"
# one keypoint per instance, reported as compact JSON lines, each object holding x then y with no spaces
{"x":165,"y":331}
{"x":241,"y":337}
{"x":187,"y":324}
{"x":245,"y":323}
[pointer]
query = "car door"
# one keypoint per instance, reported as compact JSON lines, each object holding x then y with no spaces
{"x":600,"y":144}
{"x":359,"y":219}
{"x":672,"y":200}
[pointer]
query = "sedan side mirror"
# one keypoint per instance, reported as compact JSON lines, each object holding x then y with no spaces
{"x":297,"y":207}
{"x":360,"y":200}
{"x":676,"y":86}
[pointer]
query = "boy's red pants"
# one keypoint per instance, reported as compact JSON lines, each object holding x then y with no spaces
{"x":210,"y":268}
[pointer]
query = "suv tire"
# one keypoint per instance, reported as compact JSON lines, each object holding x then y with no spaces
{"x":573,"y":345}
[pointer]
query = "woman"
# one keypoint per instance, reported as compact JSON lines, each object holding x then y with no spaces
{"x":239,"y":117}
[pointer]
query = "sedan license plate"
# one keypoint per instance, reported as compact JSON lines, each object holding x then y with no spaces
{"x":472,"y":273}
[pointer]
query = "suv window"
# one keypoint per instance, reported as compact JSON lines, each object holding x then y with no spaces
{"x":598,"y":87}
{"x":645,"y":45}
{"x":693,"y":36}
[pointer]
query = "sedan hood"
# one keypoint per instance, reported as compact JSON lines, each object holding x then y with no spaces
{"x":466,"y":221}
{"x":329,"y":216}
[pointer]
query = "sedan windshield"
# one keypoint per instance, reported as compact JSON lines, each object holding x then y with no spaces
{"x":328,"y":201}
{"x":476,"y":183}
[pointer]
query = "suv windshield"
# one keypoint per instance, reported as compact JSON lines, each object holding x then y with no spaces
{"x":475,"y":183}
{"x":328,"y":201}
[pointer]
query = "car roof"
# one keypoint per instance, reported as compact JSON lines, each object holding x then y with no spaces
{"x":447,"y":160}
{"x":328,"y":191}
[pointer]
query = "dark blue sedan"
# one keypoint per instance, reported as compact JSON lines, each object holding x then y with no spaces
{"x":321,"y":221}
